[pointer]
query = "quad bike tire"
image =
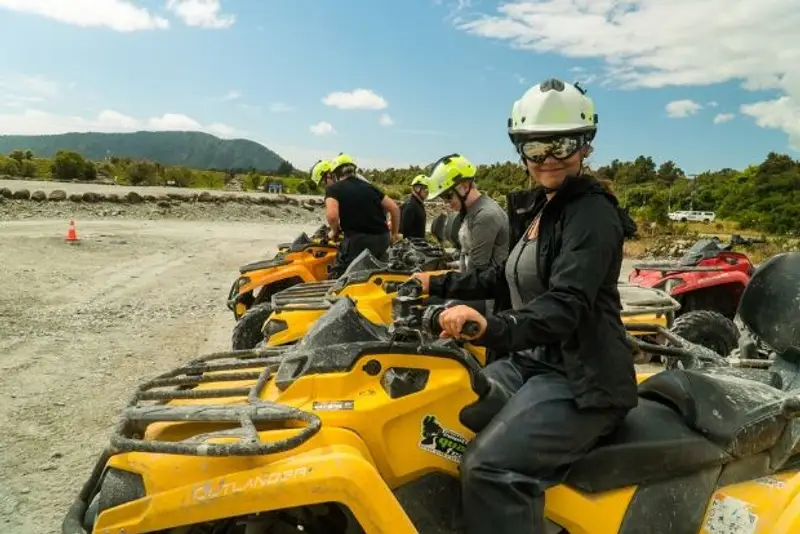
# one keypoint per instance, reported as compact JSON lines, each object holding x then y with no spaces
{"x":708,"y":328}
{"x":247,"y":332}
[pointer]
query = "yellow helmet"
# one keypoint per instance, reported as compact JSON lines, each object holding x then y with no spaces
{"x":447,"y":173}
{"x":420,"y":179}
{"x":343,"y":162}
{"x":319,"y":170}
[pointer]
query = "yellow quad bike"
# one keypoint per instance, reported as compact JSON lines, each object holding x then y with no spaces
{"x":303,"y":260}
{"x":367,"y":279}
{"x":372,"y":284}
{"x":360,"y":428}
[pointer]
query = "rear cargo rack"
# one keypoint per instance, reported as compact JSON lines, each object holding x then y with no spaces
{"x":637,"y":300}
{"x":149,"y":405}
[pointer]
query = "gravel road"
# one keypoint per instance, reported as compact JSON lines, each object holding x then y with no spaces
{"x":81,"y":325}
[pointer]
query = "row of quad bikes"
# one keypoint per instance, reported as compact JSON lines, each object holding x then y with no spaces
{"x":350,"y":415}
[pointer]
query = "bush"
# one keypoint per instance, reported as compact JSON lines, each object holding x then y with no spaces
{"x":69,"y":165}
{"x":302,"y":188}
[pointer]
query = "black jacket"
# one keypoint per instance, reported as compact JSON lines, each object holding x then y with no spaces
{"x":581,"y":233}
{"x":412,"y":218}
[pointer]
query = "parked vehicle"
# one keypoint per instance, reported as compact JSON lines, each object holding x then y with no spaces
{"x":709,"y":276}
{"x":692,"y":216}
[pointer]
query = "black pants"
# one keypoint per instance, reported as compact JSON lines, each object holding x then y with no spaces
{"x":526,"y":448}
{"x":353,"y":245}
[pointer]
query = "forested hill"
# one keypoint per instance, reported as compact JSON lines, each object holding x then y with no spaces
{"x":196,"y":150}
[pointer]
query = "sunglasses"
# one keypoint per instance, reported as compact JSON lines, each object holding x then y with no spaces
{"x":560,"y":148}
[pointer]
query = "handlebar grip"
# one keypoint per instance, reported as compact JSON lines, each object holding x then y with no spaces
{"x":470,"y":328}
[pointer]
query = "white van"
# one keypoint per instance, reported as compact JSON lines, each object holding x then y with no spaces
{"x":693,"y":216}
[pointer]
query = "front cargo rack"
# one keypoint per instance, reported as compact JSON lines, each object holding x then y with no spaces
{"x":149,"y":405}
{"x":637,"y":300}
{"x":230,"y":366}
{"x":311,"y":295}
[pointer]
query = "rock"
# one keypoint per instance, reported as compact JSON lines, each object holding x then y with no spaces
{"x":205,"y":196}
{"x":22,"y":194}
{"x":6,"y":193}
{"x":150,"y":198}
{"x":133,"y":197}
{"x":180,"y":197}
{"x":39,"y":196}
{"x":164,"y":204}
{"x":90,"y":197}
{"x":113,"y":197}
{"x":76,"y":197}
{"x":58,"y":195}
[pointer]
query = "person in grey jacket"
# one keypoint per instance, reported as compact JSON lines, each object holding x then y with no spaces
{"x":484,"y":233}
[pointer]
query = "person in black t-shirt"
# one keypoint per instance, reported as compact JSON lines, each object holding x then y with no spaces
{"x":412,"y":213}
{"x":358,"y":209}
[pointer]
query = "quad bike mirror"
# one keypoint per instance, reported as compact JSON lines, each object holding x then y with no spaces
{"x":770,"y":304}
{"x":452,"y":227}
{"x":438,"y":228}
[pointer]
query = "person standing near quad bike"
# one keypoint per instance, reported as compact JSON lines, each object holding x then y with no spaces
{"x":484,"y":228}
{"x":358,"y":209}
{"x":567,"y":367}
{"x":413,"y":219}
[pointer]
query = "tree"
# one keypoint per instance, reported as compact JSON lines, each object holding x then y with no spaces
{"x":669,"y":173}
{"x":284,"y":169}
{"x":142,"y":173}
{"x":182,"y":176}
{"x":68,"y":165}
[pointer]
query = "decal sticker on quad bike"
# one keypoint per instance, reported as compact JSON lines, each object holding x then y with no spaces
{"x":332,"y":406}
{"x":730,"y":516}
{"x":440,"y":441}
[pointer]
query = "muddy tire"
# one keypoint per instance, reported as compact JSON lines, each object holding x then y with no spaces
{"x":247,"y":332}
{"x":709,"y":329}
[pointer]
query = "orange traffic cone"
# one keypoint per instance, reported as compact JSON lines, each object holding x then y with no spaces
{"x":72,"y":234}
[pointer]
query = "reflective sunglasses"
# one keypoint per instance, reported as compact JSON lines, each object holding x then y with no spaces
{"x":537,"y":150}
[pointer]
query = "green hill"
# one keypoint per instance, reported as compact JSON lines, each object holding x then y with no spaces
{"x":189,"y":149}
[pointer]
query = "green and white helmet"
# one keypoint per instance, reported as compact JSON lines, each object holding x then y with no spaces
{"x":552,"y":108}
{"x":447,"y":173}
{"x":420,"y":179}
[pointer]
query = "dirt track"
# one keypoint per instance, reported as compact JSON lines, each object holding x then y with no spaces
{"x":81,"y":325}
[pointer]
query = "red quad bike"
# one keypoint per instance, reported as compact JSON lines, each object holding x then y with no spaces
{"x":710,"y":276}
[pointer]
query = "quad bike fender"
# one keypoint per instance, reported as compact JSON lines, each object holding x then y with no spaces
{"x":333,"y":467}
{"x":736,"y":279}
{"x":267,"y":277}
{"x":645,"y":318}
{"x":289,"y":326}
{"x":772,"y":503}
{"x":584,"y":513}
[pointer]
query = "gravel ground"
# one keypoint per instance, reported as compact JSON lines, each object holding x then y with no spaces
{"x":81,"y":325}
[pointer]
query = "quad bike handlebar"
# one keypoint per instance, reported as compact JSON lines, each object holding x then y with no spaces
{"x":410,"y":312}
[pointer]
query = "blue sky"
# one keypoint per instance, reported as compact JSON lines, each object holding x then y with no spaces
{"x":435,"y":76}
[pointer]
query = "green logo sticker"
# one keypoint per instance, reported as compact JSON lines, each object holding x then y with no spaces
{"x":440,"y":441}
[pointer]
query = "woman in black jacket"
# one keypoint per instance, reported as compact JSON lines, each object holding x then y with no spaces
{"x":564,"y":358}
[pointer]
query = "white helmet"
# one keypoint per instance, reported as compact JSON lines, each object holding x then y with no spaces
{"x":551,"y":108}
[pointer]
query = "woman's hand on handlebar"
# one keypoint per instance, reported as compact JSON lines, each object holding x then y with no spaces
{"x":425,"y":279}
{"x":452,"y":321}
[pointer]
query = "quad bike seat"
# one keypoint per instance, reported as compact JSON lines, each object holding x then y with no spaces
{"x":685,"y":421}
{"x":264,"y":264}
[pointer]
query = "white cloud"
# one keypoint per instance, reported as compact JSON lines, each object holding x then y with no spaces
{"x":723,"y":117}
{"x":385,"y":120}
{"x":231,"y":95}
{"x":19,"y":91}
{"x":649,"y":44}
{"x":322,"y":128}
{"x":201,"y":13}
{"x":682,"y":108}
{"x":34,"y":121}
{"x":280,"y":107}
{"x":119,"y":15}
{"x":783,"y":114}
{"x":712,"y":104}
{"x":357,"y":99}
{"x":520,"y":79}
